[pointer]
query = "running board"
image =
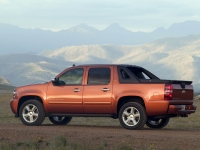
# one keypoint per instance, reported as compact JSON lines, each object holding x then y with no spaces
{"x":82,"y":115}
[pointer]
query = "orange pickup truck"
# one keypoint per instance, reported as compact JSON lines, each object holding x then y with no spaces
{"x":128,"y":92}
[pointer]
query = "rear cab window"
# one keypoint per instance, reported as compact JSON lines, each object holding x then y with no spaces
{"x":140,"y":73}
{"x":134,"y":74}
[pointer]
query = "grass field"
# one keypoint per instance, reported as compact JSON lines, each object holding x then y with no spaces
{"x":6,"y":116}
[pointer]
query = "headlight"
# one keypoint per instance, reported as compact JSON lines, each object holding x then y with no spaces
{"x":14,"y":93}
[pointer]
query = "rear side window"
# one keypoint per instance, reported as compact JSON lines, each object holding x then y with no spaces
{"x":99,"y":76}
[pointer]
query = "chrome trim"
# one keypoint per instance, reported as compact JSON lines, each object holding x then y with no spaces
{"x":105,"y":89}
{"x":14,"y":93}
{"x":183,"y":92}
{"x":76,"y":90}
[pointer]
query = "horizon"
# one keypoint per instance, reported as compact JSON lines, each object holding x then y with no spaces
{"x":100,"y":29}
{"x":132,"y":14}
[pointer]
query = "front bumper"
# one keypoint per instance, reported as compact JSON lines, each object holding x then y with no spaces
{"x":14,"y":105}
{"x":181,"y":109}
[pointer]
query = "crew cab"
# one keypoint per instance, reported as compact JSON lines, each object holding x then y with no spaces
{"x":130,"y":93}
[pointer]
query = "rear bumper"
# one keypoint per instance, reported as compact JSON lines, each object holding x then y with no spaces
{"x":181,"y":109}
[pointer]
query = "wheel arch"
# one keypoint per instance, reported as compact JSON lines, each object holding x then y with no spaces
{"x":29,"y":97}
{"x":125,"y":99}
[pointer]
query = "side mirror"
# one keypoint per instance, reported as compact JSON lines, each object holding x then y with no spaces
{"x":54,"y":81}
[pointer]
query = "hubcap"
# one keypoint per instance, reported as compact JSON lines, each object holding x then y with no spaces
{"x":131,"y":116}
{"x":30,"y":113}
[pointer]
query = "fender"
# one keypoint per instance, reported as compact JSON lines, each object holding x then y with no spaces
{"x":127,"y":93}
{"x":38,"y":90}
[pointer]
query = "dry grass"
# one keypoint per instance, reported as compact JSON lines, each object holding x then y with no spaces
{"x":6,"y":114}
{"x":60,"y":142}
{"x":192,"y":122}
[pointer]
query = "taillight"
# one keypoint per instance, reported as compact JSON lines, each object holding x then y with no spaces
{"x":168,"y":92}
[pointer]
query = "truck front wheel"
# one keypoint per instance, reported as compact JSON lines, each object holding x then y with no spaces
{"x":159,"y":123}
{"x":60,"y":120}
{"x":32,"y":113}
{"x":132,"y":116}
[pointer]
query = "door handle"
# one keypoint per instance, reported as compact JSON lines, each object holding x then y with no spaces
{"x":77,"y":90}
{"x":105,"y":89}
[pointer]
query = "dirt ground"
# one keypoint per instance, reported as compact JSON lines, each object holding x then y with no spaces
{"x":109,"y":135}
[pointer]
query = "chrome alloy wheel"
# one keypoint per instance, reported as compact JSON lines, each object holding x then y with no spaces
{"x":30,"y":113}
{"x":131,"y":116}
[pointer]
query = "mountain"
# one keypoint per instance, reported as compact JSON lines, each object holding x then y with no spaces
{"x":21,"y":69}
{"x":185,"y":28}
{"x":14,"y":39}
{"x":178,"y":29}
{"x":82,"y":29}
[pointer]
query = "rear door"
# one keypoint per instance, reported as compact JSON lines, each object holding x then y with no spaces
{"x":98,"y":90}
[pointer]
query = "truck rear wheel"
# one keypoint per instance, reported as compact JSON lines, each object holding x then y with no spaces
{"x":32,"y":113}
{"x":159,"y":123}
{"x":132,"y":116}
{"x":59,"y":120}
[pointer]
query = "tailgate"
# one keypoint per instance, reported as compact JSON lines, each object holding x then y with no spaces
{"x":182,"y":91}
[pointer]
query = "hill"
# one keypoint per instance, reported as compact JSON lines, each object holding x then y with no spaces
{"x":37,"y":40}
{"x":4,"y":81}
{"x":168,"y":58}
{"x":21,"y":69}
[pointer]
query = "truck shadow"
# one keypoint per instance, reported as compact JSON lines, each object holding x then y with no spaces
{"x":114,"y":127}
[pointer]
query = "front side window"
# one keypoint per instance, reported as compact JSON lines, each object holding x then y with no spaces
{"x":99,"y":76}
{"x":73,"y":76}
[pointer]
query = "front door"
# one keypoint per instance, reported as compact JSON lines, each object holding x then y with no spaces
{"x":66,"y":96}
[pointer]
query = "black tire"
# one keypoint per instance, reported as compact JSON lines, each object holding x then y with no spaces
{"x":135,"y":119}
{"x":60,"y":120}
{"x":32,"y":113}
{"x":160,"y":123}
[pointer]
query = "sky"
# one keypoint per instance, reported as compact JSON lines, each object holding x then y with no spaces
{"x":135,"y":15}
